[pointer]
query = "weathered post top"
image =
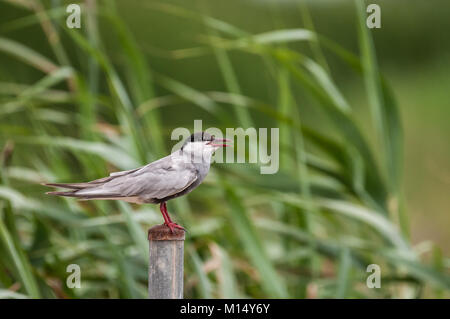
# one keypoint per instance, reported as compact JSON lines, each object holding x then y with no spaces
{"x":165,"y":272}
{"x":162,"y":232}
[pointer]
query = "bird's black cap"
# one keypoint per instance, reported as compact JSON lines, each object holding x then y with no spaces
{"x":198,"y":137}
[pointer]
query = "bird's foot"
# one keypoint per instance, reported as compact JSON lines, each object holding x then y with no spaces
{"x":173,"y":225}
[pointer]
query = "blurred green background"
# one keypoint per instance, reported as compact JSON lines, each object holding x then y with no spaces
{"x":365,"y":159}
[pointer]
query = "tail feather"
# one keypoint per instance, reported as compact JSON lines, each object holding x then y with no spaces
{"x":91,"y":184}
{"x":69,"y":186}
{"x":69,"y":194}
{"x":75,"y":194}
{"x":93,"y":189}
{"x":81,"y":191}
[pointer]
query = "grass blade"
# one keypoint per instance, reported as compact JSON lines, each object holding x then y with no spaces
{"x":384,"y":110}
{"x":270,"y":281}
{"x":27,"y":55}
{"x":20,"y":261}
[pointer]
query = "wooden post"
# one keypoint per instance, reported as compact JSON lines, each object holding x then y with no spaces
{"x":165,"y":271}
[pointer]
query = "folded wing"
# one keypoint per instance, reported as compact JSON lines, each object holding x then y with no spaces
{"x":156,"y":180}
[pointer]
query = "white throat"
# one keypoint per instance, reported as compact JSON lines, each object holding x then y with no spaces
{"x":198,"y":152}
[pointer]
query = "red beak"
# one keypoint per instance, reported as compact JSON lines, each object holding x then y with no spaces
{"x":220,"y":140}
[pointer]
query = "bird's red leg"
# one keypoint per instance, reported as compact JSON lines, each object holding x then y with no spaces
{"x":167,"y":221}
{"x":164,"y":213}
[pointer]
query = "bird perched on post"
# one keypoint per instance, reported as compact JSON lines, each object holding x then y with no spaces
{"x":169,"y":177}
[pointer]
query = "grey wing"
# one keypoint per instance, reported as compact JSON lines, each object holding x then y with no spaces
{"x":156,"y":180}
{"x":158,"y":183}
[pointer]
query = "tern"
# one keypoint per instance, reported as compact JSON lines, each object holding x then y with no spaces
{"x":172,"y":176}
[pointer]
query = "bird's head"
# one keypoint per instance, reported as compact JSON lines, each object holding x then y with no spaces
{"x":201,"y":145}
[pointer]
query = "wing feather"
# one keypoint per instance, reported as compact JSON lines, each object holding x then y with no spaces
{"x":159,"y":179}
